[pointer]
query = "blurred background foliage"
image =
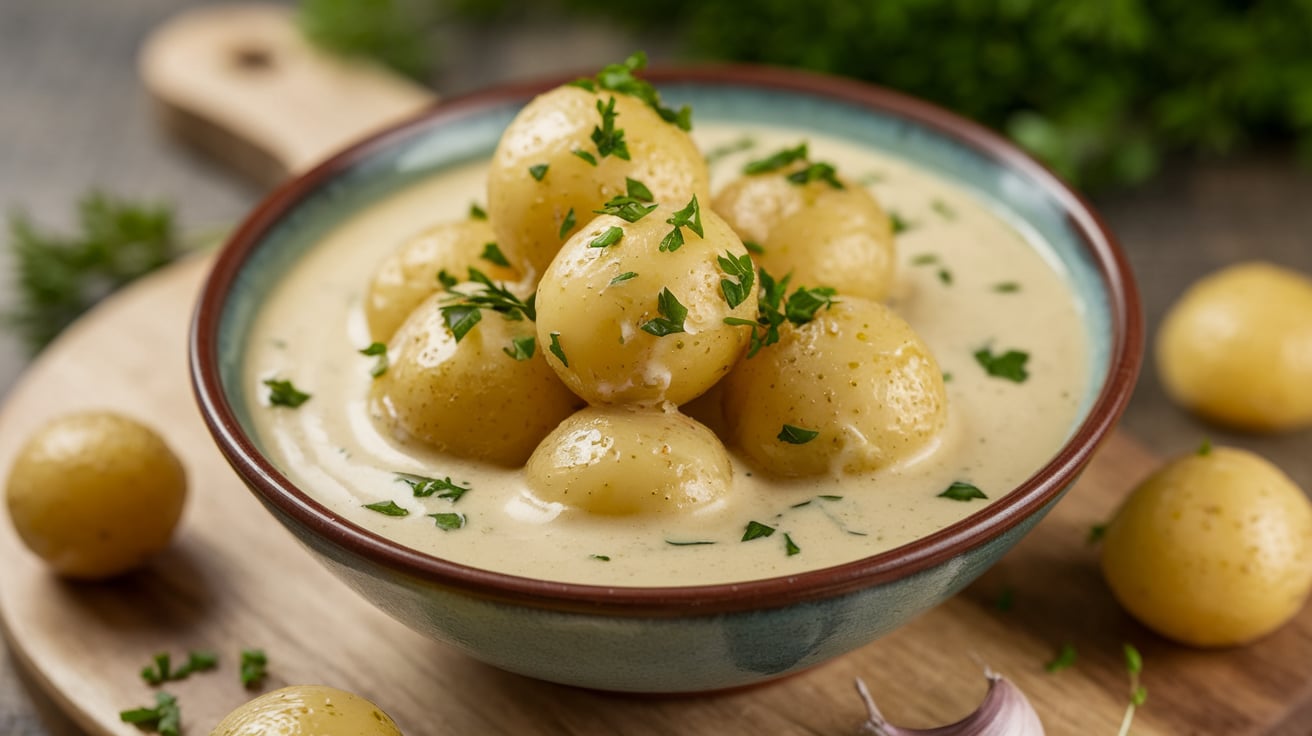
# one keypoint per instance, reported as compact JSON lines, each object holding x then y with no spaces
{"x":1102,"y":90}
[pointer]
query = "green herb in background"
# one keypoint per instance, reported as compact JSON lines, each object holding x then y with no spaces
{"x":165,"y":718}
{"x":254,"y":667}
{"x":1102,"y":91}
{"x":395,"y":33}
{"x":61,"y":276}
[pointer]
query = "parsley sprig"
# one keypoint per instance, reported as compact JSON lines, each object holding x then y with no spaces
{"x":740,"y":269}
{"x":282,"y":392}
{"x":465,"y":310}
{"x":254,"y":668}
{"x":690,"y":217}
{"x":633,"y":205}
{"x":165,"y":718}
{"x":672,"y":316}
{"x":773,"y":309}
{"x":609,"y":139}
{"x":424,"y":487}
{"x":783,"y":158}
{"x":621,"y":78}
{"x":161,"y":670}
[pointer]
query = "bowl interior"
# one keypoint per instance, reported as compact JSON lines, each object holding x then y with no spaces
{"x":1013,"y":187}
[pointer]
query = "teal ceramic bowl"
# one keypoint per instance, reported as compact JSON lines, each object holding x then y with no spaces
{"x":669,"y":639}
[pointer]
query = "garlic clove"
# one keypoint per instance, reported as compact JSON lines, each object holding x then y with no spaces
{"x":1005,"y":711}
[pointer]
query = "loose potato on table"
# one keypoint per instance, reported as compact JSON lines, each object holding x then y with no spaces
{"x":1214,"y":549}
{"x":634,"y":323}
{"x":540,"y":191}
{"x":95,"y":494}
{"x":1237,"y":348}
{"x":853,"y":390}
{"x":469,"y":397}
{"x":307,"y":710}
{"x":408,"y":275}
{"x":826,"y":232}
{"x":619,"y":461}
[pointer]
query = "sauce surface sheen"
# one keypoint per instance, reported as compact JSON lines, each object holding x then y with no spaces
{"x":955,"y":258}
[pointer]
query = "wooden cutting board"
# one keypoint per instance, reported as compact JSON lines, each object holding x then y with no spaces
{"x":238,"y":80}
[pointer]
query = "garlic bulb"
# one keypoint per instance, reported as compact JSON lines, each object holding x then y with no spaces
{"x":1004,"y":712}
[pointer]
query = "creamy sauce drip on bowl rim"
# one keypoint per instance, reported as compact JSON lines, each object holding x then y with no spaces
{"x":957,"y":262}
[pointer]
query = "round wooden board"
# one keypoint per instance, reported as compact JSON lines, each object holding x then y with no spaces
{"x":235,"y":579}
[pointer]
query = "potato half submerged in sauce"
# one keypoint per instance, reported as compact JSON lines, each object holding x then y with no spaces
{"x":473,"y":397}
{"x":854,"y":390}
{"x":619,"y":461}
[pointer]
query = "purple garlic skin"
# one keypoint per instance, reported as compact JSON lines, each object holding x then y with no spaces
{"x":1005,"y":711}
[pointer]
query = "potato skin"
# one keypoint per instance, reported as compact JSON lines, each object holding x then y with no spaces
{"x":468,"y":398}
{"x":619,"y":461}
{"x":1237,"y":348}
{"x":824,"y":236}
{"x":858,"y":374}
{"x":307,"y":710}
{"x":1212,"y":550}
{"x":611,"y":359}
{"x":408,"y":275}
{"x":95,"y":494}
{"x":527,"y":214}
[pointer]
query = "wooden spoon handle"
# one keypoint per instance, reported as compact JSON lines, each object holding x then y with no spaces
{"x":241,"y":83}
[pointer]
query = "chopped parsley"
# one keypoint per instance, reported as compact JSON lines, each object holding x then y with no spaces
{"x":962,"y":491}
{"x":633,"y":205}
{"x":690,"y":217}
{"x":1205,"y":448}
{"x":425,"y":487}
{"x":161,"y":671}
{"x":899,"y":225}
{"x":739,"y":268}
{"x":1009,"y":365}
{"x":1096,"y":533}
{"x":773,"y":310}
{"x":608,"y":238}
{"x":521,"y":348}
{"x":377,"y":350}
{"x":609,"y":139}
{"x":804,"y":303}
{"x":387,"y":508}
{"x":924,"y":259}
{"x":797,"y":435}
{"x":816,"y":172}
{"x":945,"y":276}
{"x":585,"y":156}
{"x":537,"y":171}
{"x":567,"y":224}
{"x":620,"y":78}
{"x":730,"y":148}
{"x":1006,"y":287}
{"x":693,"y":543}
{"x":556,"y":350}
{"x":1138,"y":693}
{"x":623,"y":277}
{"x":165,"y":718}
{"x":447,"y":281}
{"x":790,"y":546}
{"x":943,"y":209}
{"x":777,"y":160}
{"x":448,"y":521}
{"x":492,"y":254}
{"x":1064,"y":659}
{"x":672,"y":316}
{"x":254,"y":667}
{"x":753,"y":247}
{"x":476,"y":212}
{"x":756,"y":530}
{"x":466,"y":310}
{"x":603,"y":558}
{"x":283,"y":393}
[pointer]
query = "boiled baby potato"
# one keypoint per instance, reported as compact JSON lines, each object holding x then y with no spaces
{"x":408,"y":275}
{"x":1237,"y":348}
{"x":307,"y":710}
{"x":533,"y":215}
{"x":615,"y":314}
{"x":469,"y":398}
{"x":852,"y":391}
{"x":95,"y":494}
{"x":619,"y":461}
{"x":825,"y":235}
{"x":1214,"y":549}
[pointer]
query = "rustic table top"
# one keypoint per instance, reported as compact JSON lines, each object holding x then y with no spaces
{"x":76,"y":117}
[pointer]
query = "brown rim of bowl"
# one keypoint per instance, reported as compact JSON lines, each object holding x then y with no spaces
{"x":900,"y":562}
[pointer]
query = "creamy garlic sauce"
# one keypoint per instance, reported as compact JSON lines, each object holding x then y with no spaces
{"x":952,"y":258}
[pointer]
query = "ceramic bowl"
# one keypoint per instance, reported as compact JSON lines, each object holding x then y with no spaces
{"x":669,"y":639}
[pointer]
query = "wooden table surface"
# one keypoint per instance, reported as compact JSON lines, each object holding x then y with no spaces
{"x":75,"y":116}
